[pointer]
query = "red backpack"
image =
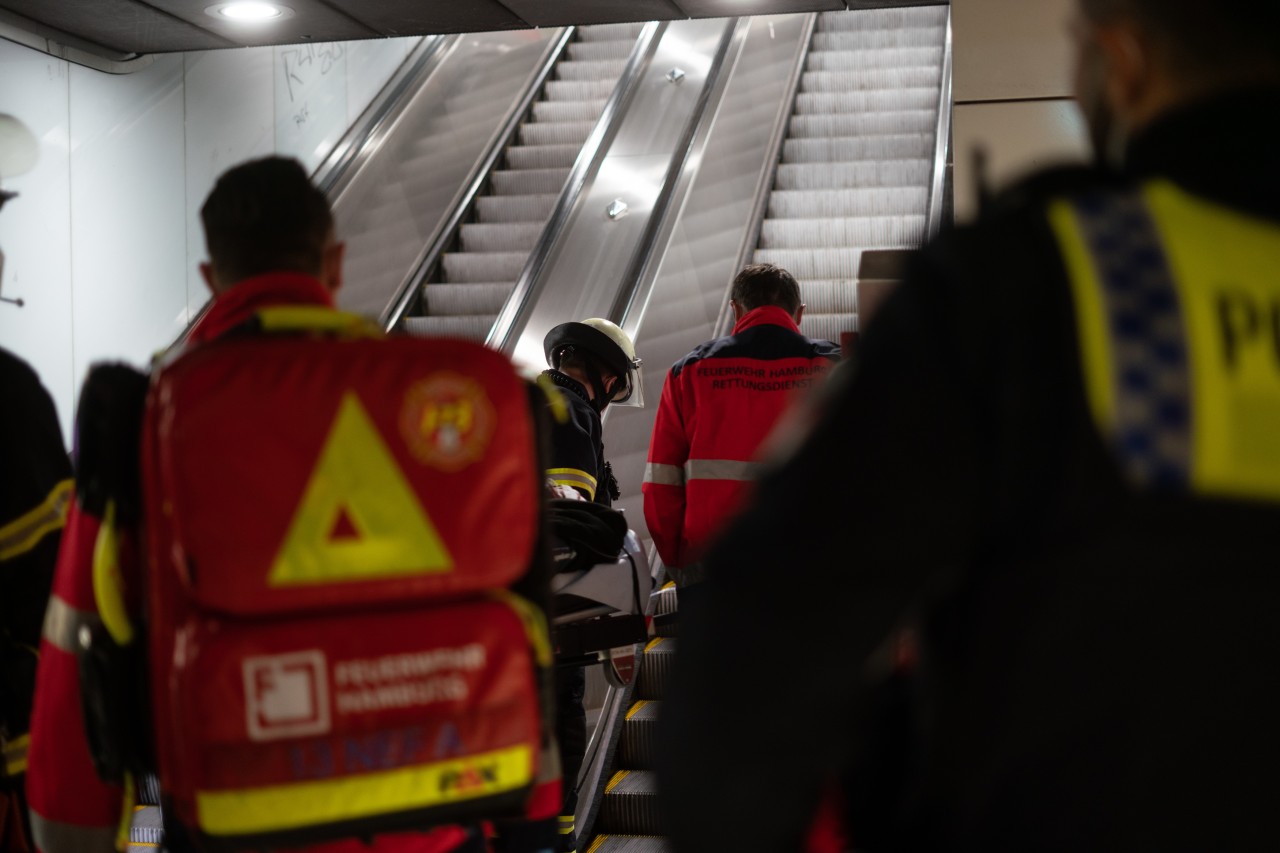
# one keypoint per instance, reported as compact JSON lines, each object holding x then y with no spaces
{"x":346,"y":594}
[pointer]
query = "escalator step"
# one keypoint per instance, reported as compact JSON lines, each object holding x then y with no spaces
{"x":808,"y":263}
{"x":860,"y":124}
{"x":529,"y":181}
{"x":878,"y":57}
{"x":630,"y":804}
{"x":542,"y":156}
{"x":474,"y":328}
{"x":147,"y":826}
{"x":556,"y":132}
{"x":827,"y":326}
{"x":444,"y":299}
{"x":666,"y":599}
{"x":827,"y":39}
{"x":826,"y":296}
{"x":881,"y":173}
{"x":483,"y":267}
{"x":600,"y":49}
{"x":629,"y":844}
{"x":500,"y":236}
{"x":871,"y":78}
{"x":875,"y":100}
{"x":866,"y":231}
{"x":884,"y":19}
{"x":610,"y":32}
{"x":875,"y":201}
{"x":602,"y":69}
{"x":568,"y":110}
{"x":659,"y":654}
{"x":851,"y":148}
{"x":637,"y":748}
{"x":579,"y":90}
{"x":515,"y":208}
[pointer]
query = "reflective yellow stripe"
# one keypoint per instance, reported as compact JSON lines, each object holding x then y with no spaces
{"x":1227,"y":271}
{"x":575,"y":478}
{"x":654,"y":643}
{"x":62,"y":625}
{"x":1222,"y":268}
{"x":1091,"y":318}
{"x":617,"y":777}
{"x":662,"y":474}
{"x":284,"y":807}
{"x":15,"y":755}
{"x":595,"y":845}
{"x":535,"y":624}
{"x":108,"y":583}
{"x":308,"y":318}
{"x":25,"y":532}
{"x":634,"y":709}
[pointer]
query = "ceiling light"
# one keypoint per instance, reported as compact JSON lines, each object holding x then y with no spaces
{"x":249,"y":11}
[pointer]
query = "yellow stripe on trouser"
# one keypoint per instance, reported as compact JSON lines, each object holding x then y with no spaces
{"x":284,"y":807}
{"x":15,"y":755}
{"x":1223,"y":266}
{"x":575,"y":478}
{"x":25,"y":532}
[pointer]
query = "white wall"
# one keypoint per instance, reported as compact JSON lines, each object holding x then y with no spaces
{"x":1013,"y":67}
{"x":103,"y":243}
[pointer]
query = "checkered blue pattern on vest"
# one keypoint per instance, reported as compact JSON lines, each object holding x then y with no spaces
{"x":1148,"y":339}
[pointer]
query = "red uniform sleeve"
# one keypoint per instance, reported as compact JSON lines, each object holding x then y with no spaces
{"x":664,"y":478}
{"x":72,"y":810}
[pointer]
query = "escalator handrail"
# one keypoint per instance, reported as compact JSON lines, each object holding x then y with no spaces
{"x":334,"y":173}
{"x":501,"y":335}
{"x":639,"y":279}
{"x":751,"y":237}
{"x":942,"y":144}
{"x":447,"y":230}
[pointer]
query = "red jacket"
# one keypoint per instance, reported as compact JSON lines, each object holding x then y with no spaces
{"x":718,"y":405}
{"x":72,"y":810}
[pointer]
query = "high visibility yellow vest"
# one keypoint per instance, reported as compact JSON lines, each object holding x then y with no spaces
{"x":1178,"y":312}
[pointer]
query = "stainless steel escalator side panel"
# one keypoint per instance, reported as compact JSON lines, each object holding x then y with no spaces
{"x":514,"y":316}
{"x":393,"y":206}
{"x":583,"y":273}
{"x":363,"y":139}
{"x":942,"y":146}
{"x":720,"y":213}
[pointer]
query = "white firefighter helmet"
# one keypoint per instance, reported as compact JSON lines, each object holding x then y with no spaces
{"x":607,"y":342}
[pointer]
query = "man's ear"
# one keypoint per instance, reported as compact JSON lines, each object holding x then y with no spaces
{"x":331,"y":266}
{"x":1126,"y":51}
{"x":799,"y":313}
{"x":738,"y":311}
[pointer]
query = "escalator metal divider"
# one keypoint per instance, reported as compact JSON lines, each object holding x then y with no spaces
{"x":476,"y":268}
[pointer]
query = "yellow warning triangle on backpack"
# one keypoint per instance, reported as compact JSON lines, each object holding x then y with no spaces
{"x":357,"y":488}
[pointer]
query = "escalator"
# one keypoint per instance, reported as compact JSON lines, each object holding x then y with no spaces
{"x":857,"y":161}
{"x":444,"y":231}
{"x":474,"y":280}
{"x":858,"y":168}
